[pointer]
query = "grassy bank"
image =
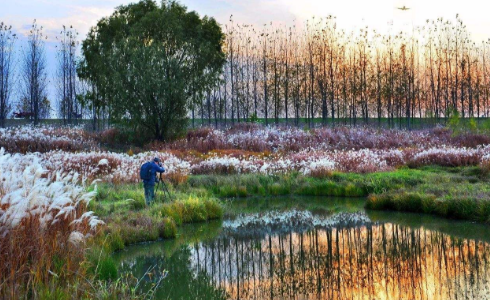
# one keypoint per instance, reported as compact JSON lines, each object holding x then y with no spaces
{"x":333,"y":184}
{"x":129,"y":221}
{"x":457,"y":193}
{"x":460,"y":193}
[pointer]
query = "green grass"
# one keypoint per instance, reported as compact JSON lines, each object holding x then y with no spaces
{"x":189,"y":210}
{"x":338,"y":185}
{"x":130,"y":221}
{"x":459,"y":193}
{"x":127,"y":227}
{"x":112,"y":199}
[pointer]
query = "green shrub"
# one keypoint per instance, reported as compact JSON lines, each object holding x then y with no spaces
{"x":101,"y":264}
{"x":306,"y":189}
{"x":254,"y":118}
{"x":168,"y":228}
{"x":484,"y":210}
{"x":194,"y":210}
{"x":214,"y":209}
{"x":329,"y":188}
{"x":202,"y":181}
{"x":485,"y":126}
{"x":410,"y":202}
{"x":227,"y":192}
{"x":454,"y":122}
{"x":174,"y":211}
{"x":472,"y":126}
{"x":261,"y":190}
{"x":231,"y":191}
{"x":102,"y":193}
{"x":448,"y":206}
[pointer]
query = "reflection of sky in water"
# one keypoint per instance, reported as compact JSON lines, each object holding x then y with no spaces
{"x":379,"y":260}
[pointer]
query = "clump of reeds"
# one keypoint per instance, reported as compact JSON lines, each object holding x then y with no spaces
{"x":43,"y":139}
{"x":44,"y":224}
{"x":190,"y":210}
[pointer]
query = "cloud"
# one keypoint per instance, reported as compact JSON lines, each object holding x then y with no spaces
{"x":79,"y":16}
{"x":351,"y":14}
{"x":255,"y":12}
{"x":354,"y":14}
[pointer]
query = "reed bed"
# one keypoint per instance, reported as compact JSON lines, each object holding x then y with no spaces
{"x":44,"y":225}
{"x":254,"y":149}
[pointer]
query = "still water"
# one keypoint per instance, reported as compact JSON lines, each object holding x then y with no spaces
{"x":316,"y":249}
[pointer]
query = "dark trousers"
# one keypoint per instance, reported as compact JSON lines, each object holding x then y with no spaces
{"x":149,"y":193}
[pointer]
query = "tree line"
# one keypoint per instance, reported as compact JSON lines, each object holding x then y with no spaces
{"x":322,"y":72}
{"x":316,"y":73}
{"x":24,"y":73}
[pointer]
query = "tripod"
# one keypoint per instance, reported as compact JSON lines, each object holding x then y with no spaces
{"x":164,"y":188}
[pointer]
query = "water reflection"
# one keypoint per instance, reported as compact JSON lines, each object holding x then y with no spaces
{"x":373,"y":261}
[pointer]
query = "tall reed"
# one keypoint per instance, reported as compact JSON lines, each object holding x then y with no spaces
{"x":44,"y":224}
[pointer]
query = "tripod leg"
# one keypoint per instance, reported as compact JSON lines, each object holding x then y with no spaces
{"x":166,"y":189}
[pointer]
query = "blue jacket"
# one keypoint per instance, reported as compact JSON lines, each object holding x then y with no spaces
{"x":153,"y":174}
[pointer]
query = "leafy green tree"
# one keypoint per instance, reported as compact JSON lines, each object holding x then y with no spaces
{"x":148,"y":61}
{"x":454,"y":122}
{"x":254,"y":118}
{"x":472,"y":125}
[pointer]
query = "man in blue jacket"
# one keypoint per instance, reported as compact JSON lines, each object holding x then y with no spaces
{"x":149,"y":184}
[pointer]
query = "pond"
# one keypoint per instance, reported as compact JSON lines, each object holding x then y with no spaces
{"x":316,"y":248}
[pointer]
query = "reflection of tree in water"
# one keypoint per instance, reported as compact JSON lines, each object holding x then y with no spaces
{"x":370,"y":262}
{"x":181,"y":282}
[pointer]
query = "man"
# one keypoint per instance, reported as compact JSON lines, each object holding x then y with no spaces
{"x":149,"y":181}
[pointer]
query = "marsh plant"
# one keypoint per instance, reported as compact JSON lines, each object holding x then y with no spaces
{"x":44,"y":225}
{"x":251,"y":149}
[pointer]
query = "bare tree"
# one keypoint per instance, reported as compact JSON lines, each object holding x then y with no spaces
{"x":68,"y":106}
{"x":318,"y":70}
{"x":34,"y":76}
{"x":7,"y":40}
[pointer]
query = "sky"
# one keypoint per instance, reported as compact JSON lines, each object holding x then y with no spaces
{"x":381,"y":15}
{"x":351,"y":14}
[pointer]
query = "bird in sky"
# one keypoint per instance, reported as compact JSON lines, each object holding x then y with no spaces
{"x":403,"y":8}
